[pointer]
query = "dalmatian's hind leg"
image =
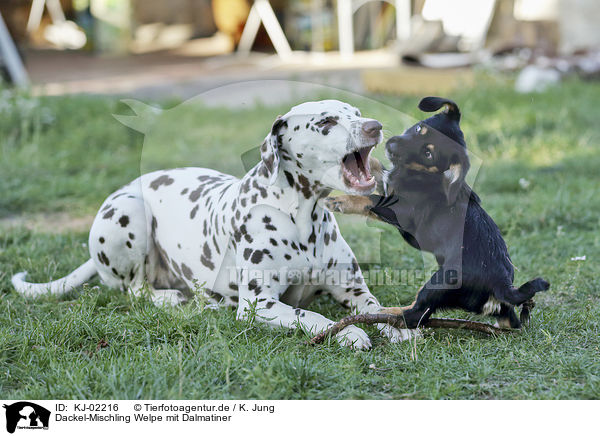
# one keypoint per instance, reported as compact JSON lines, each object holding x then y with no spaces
{"x":123,"y":251}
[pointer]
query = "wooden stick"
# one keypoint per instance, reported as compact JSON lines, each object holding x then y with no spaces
{"x":397,"y":321}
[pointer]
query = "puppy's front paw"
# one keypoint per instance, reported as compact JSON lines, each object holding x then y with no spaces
{"x":349,"y":204}
{"x":335,"y":204}
{"x":398,"y":335}
{"x":354,"y":337}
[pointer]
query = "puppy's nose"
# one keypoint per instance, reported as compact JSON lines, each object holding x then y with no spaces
{"x":372,"y":128}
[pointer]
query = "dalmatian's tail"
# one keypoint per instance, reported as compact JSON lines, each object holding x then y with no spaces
{"x":57,"y":287}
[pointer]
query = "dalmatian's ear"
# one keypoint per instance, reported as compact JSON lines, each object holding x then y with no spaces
{"x":270,"y":151}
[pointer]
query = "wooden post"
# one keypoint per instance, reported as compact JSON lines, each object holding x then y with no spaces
{"x":11,"y":57}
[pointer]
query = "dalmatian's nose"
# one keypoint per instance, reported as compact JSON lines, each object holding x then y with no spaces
{"x":372,"y":128}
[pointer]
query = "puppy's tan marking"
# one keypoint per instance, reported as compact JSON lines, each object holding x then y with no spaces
{"x":422,"y":168}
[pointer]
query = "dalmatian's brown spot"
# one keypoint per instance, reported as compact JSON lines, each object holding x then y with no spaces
{"x":160,"y":181}
{"x":124,"y":221}
{"x":109,"y":214}
{"x":305,"y":186}
{"x":101,"y":239}
{"x":193,"y":212}
{"x":187,"y":272}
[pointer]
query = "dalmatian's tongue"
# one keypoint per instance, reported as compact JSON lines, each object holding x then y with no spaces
{"x":356,"y":171}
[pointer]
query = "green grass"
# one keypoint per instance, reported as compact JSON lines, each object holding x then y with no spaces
{"x":66,"y":154}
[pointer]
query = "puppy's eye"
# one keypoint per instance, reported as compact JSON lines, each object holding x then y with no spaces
{"x":428,"y":154}
{"x":418,"y":129}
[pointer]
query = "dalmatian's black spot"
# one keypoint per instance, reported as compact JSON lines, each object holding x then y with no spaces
{"x":114,"y":271}
{"x":108,"y":206}
{"x":109,"y":214}
{"x":297,"y":312}
{"x":355,"y":266}
{"x":299,"y":155}
{"x":206,"y":251}
{"x":247,"y":253}
{"x":294,"y":246}
{"x":154,"y":224}
{"x":296,"y":128}
{"x":287,"y":256}
{"x":216,"y":245}
{"x":131,"y":274}
{"x":326,"y":238}
{"x":290,"y":178}
{"x":128,"y":243}
{"x":330,"y":263}
{"x":196,"y":193}
{"x":333,"y":235}
{"x":234,"y":299}
{"x":257,"y":257}
{"x":175,"y":267}
{"x":243,"y":202}
{"x":284,"y":241}
{"x":124,"y":221}
{"x":162,"y":180}
{"x":273,"y":242}
{"x":254,"y":198}
{"x":103,"y":259}
{"x":207,"y":263}
{"x":270,"y":304}
{"x":358,"y":292}
{"x":101,"y":239}
{"x":302,"y":246}
{"x":185,"y":191}
{"x":187,"y":271}
{"x":131,"y":236}
{"x":233,"y":286}
{"x":193,"y":212}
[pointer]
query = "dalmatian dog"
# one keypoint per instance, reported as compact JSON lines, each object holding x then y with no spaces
{"x":262,"y":243}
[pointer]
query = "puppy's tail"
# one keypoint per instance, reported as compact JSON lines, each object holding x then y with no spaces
{"x":527,"y":290}
{"x":56,"y":287}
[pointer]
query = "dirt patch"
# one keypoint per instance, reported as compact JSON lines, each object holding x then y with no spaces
{"x":59,"y":222}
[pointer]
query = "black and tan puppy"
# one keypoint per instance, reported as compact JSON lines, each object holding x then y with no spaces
{"x":435,"y":210}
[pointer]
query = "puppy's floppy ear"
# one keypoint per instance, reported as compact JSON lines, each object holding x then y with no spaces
{"x":432,"y":104}
{"x":454,"y":176}
{"x":269,"y":153}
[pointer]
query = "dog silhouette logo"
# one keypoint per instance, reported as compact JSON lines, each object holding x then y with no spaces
{"x":26,"y":415}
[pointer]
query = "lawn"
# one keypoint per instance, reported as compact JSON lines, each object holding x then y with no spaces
{"x":63,"y":155}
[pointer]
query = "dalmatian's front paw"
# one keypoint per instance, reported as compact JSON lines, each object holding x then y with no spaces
{"x":354,"y":337}
{"x":167,"y":298}
{"x":398,"y":335}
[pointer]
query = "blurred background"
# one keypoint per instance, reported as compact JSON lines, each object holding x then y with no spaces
{"x":180,"y":48}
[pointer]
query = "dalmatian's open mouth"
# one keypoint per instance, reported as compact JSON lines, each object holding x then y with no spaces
{"x":356,"y":171}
